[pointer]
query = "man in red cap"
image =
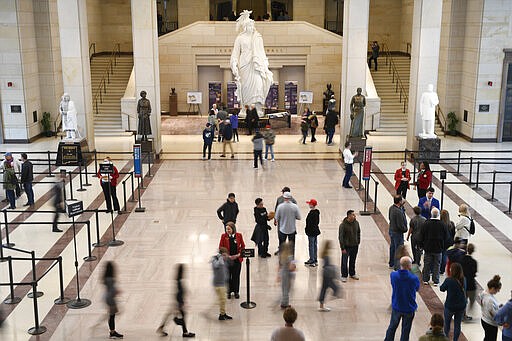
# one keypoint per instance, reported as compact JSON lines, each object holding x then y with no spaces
{"x":312,"y":231}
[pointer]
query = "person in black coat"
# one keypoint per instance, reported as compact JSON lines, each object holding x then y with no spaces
{"x":228,"y":211}
{"x":207,"y":141}
{"x":312,"y":231}
{"x":331,"y":120}
{"x":27,"y":176}
{"x":260,"y":234}
{"x":252,"y":119}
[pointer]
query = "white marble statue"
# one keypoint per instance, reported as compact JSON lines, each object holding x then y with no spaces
{"x":249,"y":65}
{"x":69,"y":118}
{"x":428,"y":103}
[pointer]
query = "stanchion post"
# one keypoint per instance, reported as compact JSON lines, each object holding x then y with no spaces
{"x":405,"y":155}
{"x":81,"y":189}
{"x":149,"y":165}
{"x":493,"y":185}
{"x":34,"y":276}
{"x":375,"y":202}
{"x":95,"y":162}
{"x":50,"y":175}
{"x":414,"y":172}
{"x":86,"y":175}
{"x":248,"y":304}
{"x":71,"y":186}
{"x":510,"y":198}
{"x":477,"y":175}
{"x":470,"y":170}
{"x":360,"y":170}
{"x":61,"y":299}
{"x":77,"y":303}
{"x":124,"y":195}
{"x":442,"y":193}
{"x":98,"y":242}
{"x":89,"y":257}
{"x":133,"y":188}
{"x":140,"y":208}
{"x":6,"y":222}
{"x":458,"y":163}
{"x":11,"y":299}
{"x":37,"y":329}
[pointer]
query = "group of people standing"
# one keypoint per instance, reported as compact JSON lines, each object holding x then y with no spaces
{"x":445,"y":248}
{"x":12,"y":184}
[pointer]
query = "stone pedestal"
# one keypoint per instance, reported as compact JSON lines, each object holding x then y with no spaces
{"x":72,"y":153}
{"x":358,"y":144}
{"x":428,"y":149}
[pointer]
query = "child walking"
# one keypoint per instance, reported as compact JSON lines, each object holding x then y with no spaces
{"x":312,"y":231}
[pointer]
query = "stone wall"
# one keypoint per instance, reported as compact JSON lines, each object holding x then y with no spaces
{"x":110,"y":22}
{"x":406,"y":24}
{"x":190,"y":11}
{"x":292,"y":43}
{"x":383,"y":25}
{"x":310,"y":11}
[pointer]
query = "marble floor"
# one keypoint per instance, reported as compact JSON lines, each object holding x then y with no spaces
{"x":180,"y":226}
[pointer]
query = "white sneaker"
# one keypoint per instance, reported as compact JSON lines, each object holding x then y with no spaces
{"x":343,"y":279}
{"x":324,"y":309}
{"x":272,"y":160}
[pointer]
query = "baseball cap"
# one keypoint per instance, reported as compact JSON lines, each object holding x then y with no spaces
{"x":287,"y":195}
{"x":8,"y":154}
{"x":312,"y":202}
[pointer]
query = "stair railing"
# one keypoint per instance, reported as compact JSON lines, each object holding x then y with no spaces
{"x":396,"y":77}
{"x":441,"y":117}
{"x":92,"y":48}
{"x":101,"y":89}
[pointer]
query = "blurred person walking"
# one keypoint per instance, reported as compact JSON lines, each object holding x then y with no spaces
{"x":111,"y":292}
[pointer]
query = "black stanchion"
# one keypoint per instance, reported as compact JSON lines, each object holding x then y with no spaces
{"x":375,"y":210}
{"x":414,"y":172}
{"x":366,"y":196}
{"x":98,"y":242}
{"x":89,"y":257}
{"x":405,"y":155}
{"x":70,"y":186}
{"x":140,"y":208}
{"x":510,"y":198}
{"x":87,"y":184}
{"x":61,"y":299}
{"x":81,"y":189}
{"x":34,"y":277}
{"x":7,"y":242}
{"x":493,"y":186}
{"x":470,"y":170}
{"x":149,"y":165}
{"x":124,"y":196}
{"x":77,"y":303}
{"x":133,"y":188}
{"x":37,"y":329}
{"x":114,"y":241}
{"x":95,"y":162}
{"x":458,"y":163}
{"x":50,"y":175}
{"x":476,"y":188}
{"x":63,"y":177}
{"x":11,"y":299}
{"x":442,"y":193}
{"x":360,"y":170}
{"x":248,"y":253}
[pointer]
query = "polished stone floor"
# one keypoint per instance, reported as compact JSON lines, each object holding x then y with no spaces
{"x":180,"y":226}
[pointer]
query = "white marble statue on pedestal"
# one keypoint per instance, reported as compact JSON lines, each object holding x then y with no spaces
{"x":69,"y":117}
{"x":249,"y":65}
{"x":428,"y":103}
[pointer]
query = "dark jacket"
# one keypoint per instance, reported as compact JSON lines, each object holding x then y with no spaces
{"x":227,"y":132}
{"x":312,"y":221}
{"x":228,"y":211}
{"x":455,"y":294}
{"x":470,"y":268}
{"x":252,"y":118}
{"x":27,"y":172}
{"x":331,"y":119}
{"x":207,"y":136}
{"x":349,"y":234}
{"x":261,"y":216}
{"x":397,"y":220}
{"x":435,"y":237}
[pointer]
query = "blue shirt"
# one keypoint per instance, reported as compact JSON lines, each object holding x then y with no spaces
{"x":425,"y":209}
{"x":455,"y":294}
{"x":505,"y":315}
{"x":234,"y":121}
{"x":405,"y":285}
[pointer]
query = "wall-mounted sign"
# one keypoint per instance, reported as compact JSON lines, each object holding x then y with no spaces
{"x":483,"y":108}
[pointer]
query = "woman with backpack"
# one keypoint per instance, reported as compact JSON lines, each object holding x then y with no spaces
{"x":463,"y":226}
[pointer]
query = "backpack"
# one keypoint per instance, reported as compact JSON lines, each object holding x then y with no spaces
{"x":472,"y":228}
{"x":313,"y":121}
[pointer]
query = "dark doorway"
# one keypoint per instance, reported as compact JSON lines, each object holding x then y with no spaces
{"x":505,"y":120}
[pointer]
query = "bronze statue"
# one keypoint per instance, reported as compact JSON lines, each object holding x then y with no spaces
{"x":144,"y":112}
{"x":357,"y":105}
{"x":327,"y":96}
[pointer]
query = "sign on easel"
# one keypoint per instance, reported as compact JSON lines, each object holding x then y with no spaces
{"x":74,"y":207}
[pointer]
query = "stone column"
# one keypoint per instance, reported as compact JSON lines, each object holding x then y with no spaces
{"x":145,"y":60}
{"x":354,"y":63}
{"x":76,"y":74}
{"x":227,"y":77}
{"x":426,"y":31}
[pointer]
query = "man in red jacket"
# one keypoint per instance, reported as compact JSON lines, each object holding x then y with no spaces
{"x":402,"y":179}
{"x":108,"y":184}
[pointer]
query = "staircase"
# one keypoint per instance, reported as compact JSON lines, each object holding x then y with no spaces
{"x":393,"y":120}
{"x":108,"y":121}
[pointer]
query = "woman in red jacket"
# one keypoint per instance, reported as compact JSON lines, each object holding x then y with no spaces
{"x":108,"y":184}
{"x":234,"y":243}
{"x":424,"y":179}
{"x":402,"y":178}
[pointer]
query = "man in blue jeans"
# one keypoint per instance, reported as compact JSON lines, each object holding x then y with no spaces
{"x":403,"y":300}
{"x":348,"y":159}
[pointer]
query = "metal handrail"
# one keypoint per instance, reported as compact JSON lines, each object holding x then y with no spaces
{"x":109,"y":70}
{"x":93,"y":48}
{"x":396,"y":77}
{"x":440,"y":114}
